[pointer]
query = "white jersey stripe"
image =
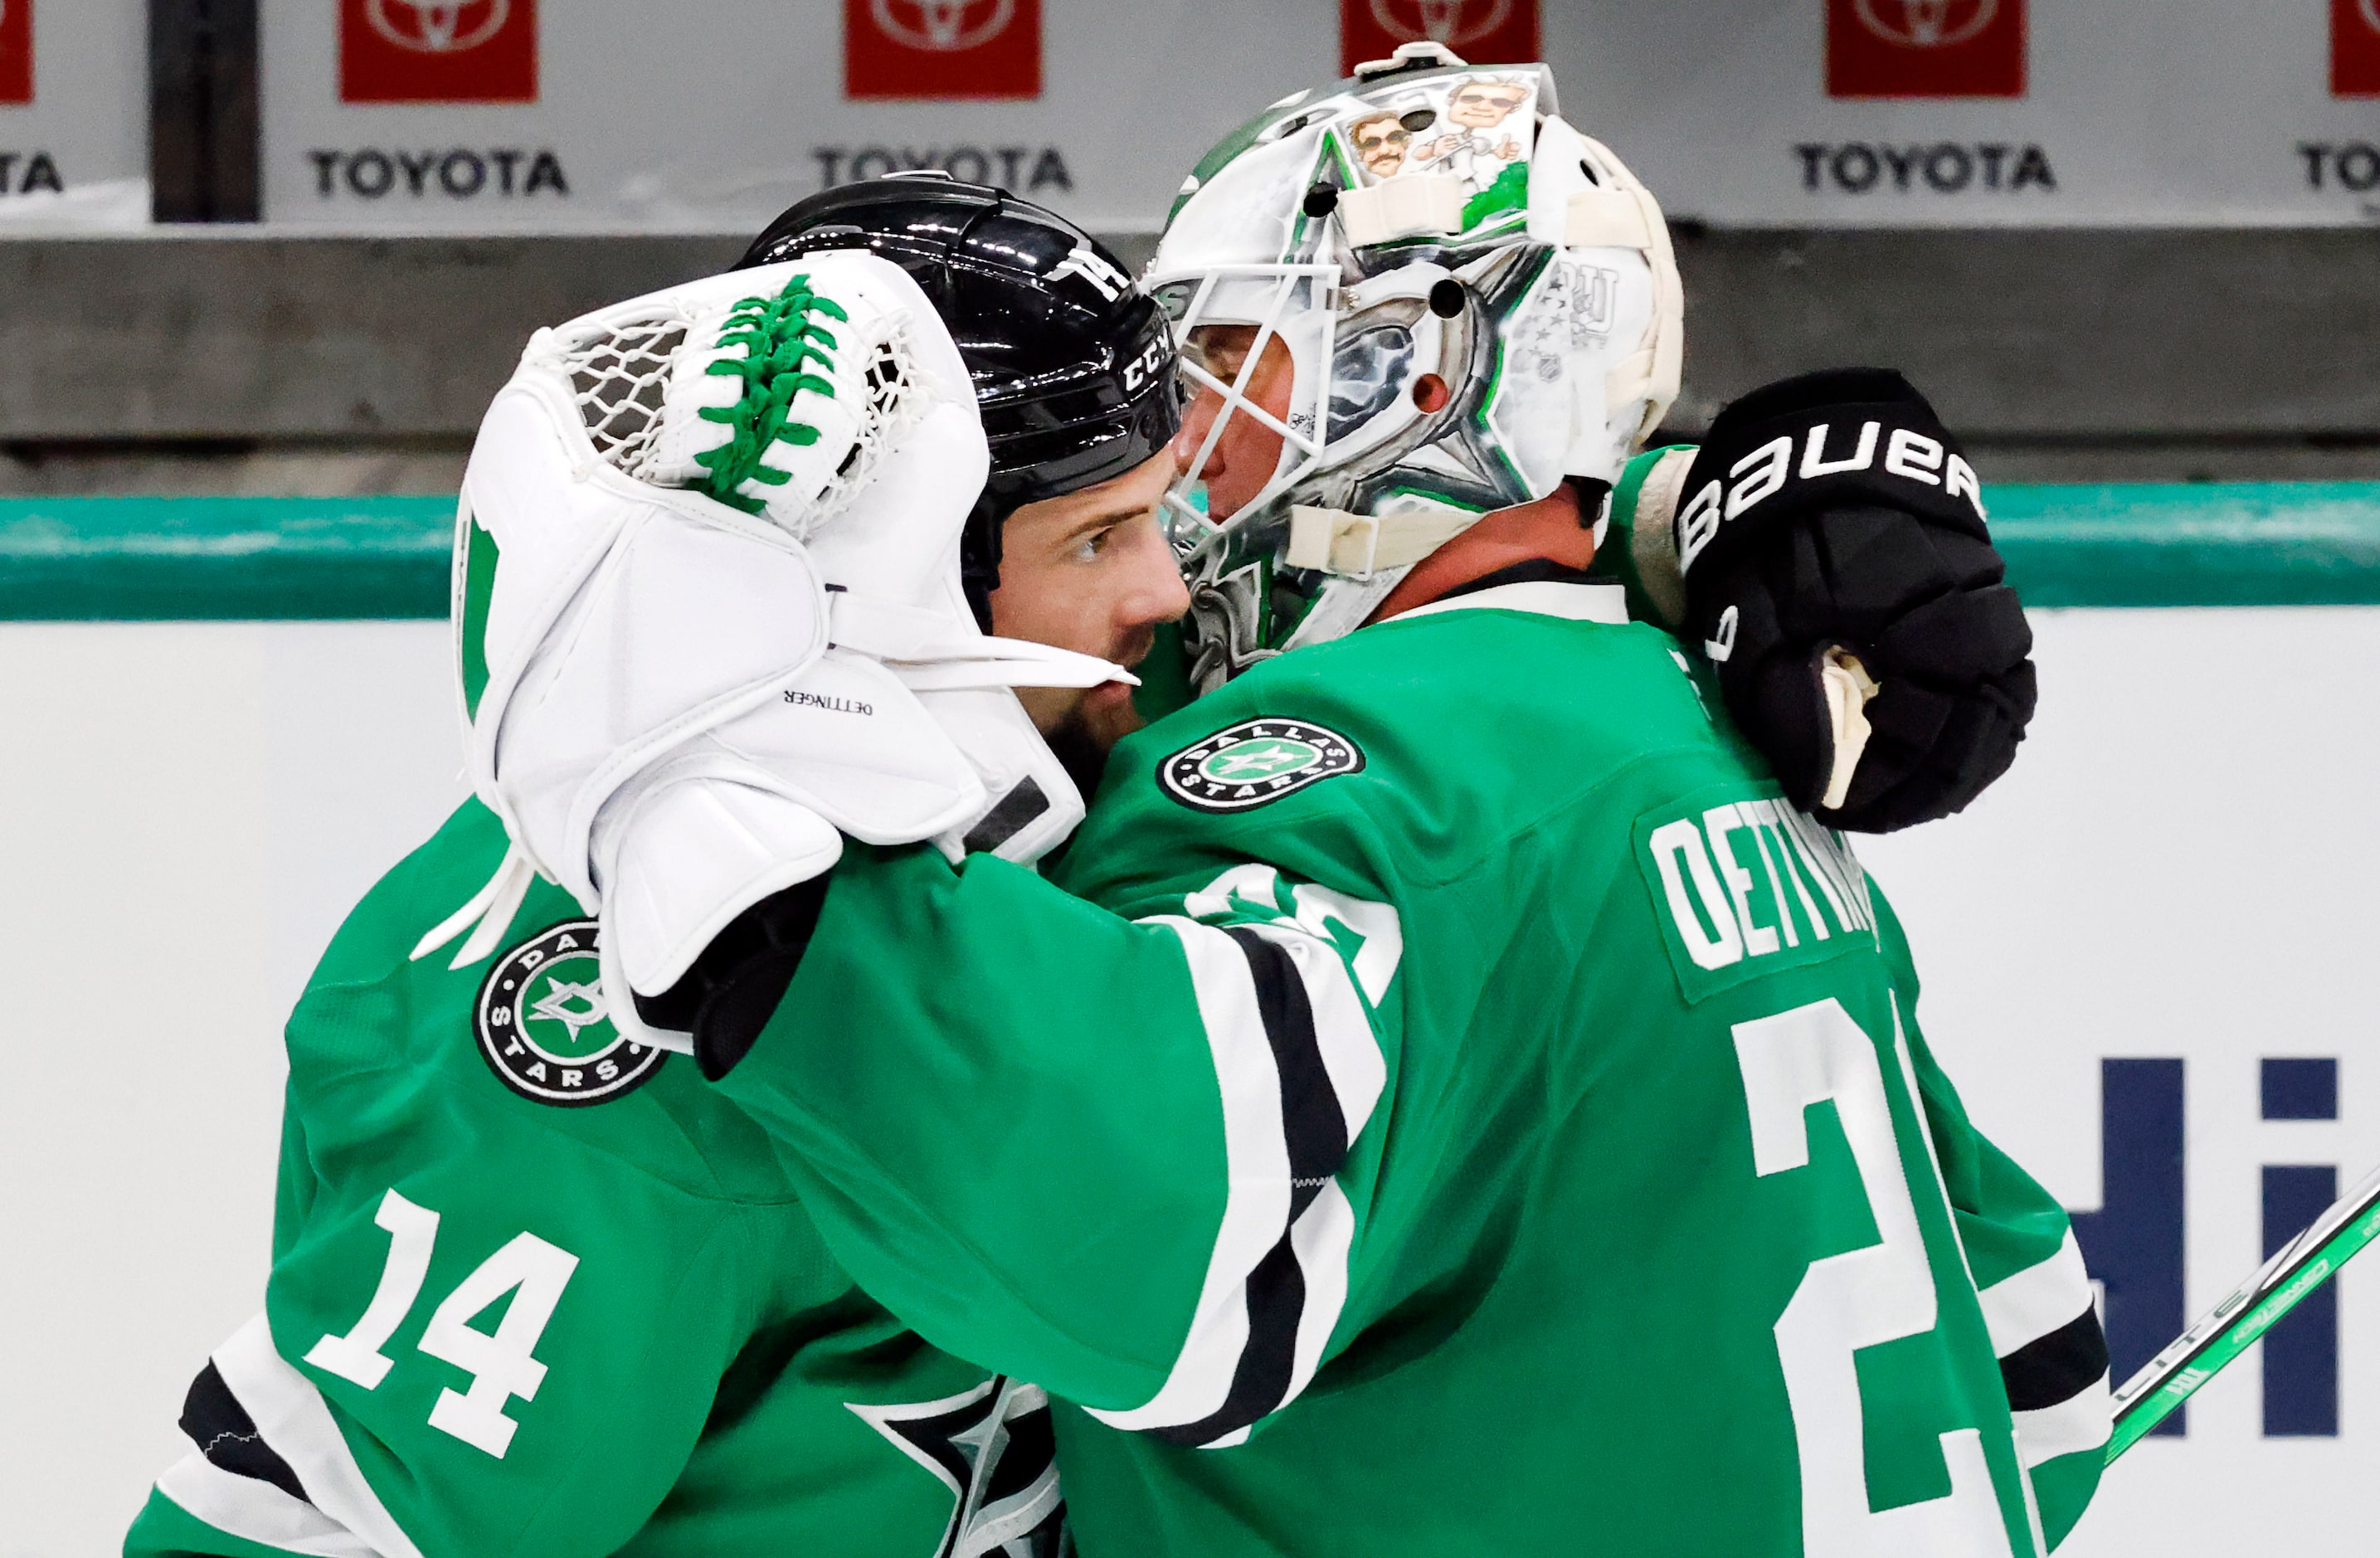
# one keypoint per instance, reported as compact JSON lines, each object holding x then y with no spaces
{"x":2081,"y":1421}
{"x":1257,"y":1200}
{"x":1342,"y":1029}
{"x":2037,"y":1301}
{"x":1384,"y":940}
{"x":1322,"y":1238}
{"x":295,"y":1423}
{"x":256,"y":1511}
{"x":1248,"y":1073}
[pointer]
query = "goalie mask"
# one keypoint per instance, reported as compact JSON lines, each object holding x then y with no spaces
{"x":1433,"y":299}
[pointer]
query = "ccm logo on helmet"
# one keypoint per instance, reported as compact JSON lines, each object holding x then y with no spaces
{"x":1762,"y":474}
{"x":1141,"y":369}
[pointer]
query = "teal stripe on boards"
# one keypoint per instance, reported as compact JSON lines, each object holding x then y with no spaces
{"x":198,"y":559}
{"x":215,"y":559}
{"x":2244,"y":543}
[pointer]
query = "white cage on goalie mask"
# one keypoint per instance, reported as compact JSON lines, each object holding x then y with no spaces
{"x":1445,"y":225}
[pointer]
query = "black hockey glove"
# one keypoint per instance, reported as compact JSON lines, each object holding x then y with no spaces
{"x":733,"y":987}
{"x":1832,"y":542}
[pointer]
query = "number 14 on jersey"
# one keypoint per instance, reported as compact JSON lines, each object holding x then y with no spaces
{"x":500,"y":1364}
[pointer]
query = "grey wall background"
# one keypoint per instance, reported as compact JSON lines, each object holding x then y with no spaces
{"x":273,"y":364}
{"x":344,"y":347}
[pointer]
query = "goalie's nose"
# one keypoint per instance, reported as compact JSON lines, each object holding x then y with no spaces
{"x":1234,"y":440}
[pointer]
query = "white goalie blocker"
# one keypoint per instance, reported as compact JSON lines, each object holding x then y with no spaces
{"x":708,"y":615}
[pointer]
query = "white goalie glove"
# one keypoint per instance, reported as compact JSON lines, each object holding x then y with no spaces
{"x":708,"y":616}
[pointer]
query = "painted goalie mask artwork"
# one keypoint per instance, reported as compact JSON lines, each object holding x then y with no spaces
{"x":1467,"y":300}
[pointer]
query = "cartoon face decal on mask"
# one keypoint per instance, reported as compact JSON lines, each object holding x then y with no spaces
{"x":1381,"y":141}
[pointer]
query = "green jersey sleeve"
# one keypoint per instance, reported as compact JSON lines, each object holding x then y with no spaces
{"x":1636,"y":549}
{"x":1124,"y":1177}
{"x":2029,"y":1275}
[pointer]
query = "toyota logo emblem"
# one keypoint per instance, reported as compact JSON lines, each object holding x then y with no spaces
{"x":1932,"y":24}
{"x":943,"y":27}
{"x":438,"y":26}
{"x":1450,"y":22}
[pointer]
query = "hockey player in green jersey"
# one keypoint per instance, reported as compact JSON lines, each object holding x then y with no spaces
{"x":536,"y":1289}
{"x":1522,"y":1100}
{"x":1450,"y":1097}
{"x":475,"y":1337}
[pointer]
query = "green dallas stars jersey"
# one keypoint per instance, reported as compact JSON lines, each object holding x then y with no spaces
{"x":537,"y":1292}
{"x":1457,"y":1066}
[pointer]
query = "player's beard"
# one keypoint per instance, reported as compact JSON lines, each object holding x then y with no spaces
{"x":1081,"y":752}
{"x":1098,"y":719}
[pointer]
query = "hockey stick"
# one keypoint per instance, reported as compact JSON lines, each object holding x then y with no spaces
{"x":2303,"y":1264}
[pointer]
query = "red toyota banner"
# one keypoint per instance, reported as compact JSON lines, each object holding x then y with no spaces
{"x":438,"y":50}
{"x":1925,"y":48}
{"x":2355,"y":48}
{"x":941,"y":48}
{"x":1483,"y":31}
{"x":16,"y":51}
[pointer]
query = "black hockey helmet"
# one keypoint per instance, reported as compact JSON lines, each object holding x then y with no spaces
{"x":1072,"y":364}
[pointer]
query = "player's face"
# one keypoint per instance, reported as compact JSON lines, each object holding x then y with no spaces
{"x":1090,"y":572}
{"x":1248,"y":452}
{"x":1484,"y":107}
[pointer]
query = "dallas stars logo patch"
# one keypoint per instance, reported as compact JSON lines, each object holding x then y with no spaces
{"x":545,"y":1028}
{"x":1255,"y":762}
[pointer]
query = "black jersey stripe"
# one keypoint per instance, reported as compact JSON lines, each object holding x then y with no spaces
{"x":2057,"y":1367}
{"x":1275,"y":1293}
{"x":1314,"y":1126}
{"x":1281,"y":1009}
{"x":2081,"y":1423}
{"x":227,"y":1436}
{"x":1313,"y":1122}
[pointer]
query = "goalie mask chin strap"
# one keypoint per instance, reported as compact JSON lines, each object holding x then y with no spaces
{"x":1360,"y":545}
